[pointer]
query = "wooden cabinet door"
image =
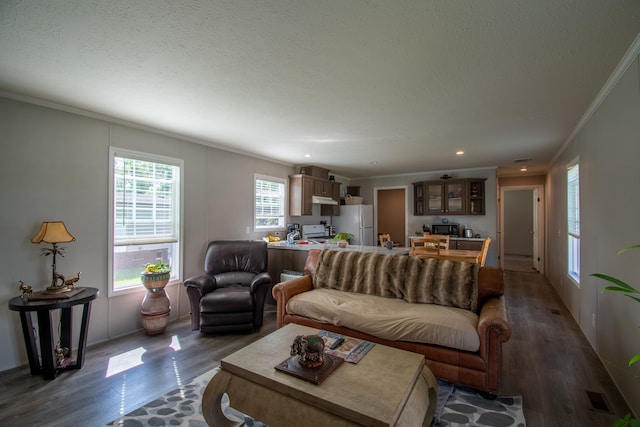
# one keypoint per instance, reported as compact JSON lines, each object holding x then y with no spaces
{"x":435,"y":198}
{"x":469,"y":245}
{"x":323,"y":188}
{"x":418,"y":198}
{"x":332,"y":210}
{"x":300,"y":192}
{"x":455,"y":197}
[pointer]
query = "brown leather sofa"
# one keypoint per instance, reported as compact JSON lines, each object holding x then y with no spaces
{"x":480,"y":370}
{"x":230,"y":295}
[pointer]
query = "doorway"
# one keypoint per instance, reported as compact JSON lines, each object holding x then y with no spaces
{"x":391,"y":213}
{"x":522,"y":229}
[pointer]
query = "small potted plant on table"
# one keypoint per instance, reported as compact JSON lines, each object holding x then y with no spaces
{"x":155,"y":305}
{"x":343,"y":239}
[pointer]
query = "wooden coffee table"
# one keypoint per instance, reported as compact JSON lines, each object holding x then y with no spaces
{"x":388,"y":387}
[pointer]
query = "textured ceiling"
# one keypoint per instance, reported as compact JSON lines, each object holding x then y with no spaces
{"x":366,"y":87}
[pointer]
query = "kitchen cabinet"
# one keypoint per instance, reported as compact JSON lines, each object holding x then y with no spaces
{"x":449,"y":197}
{"x":303,"y":187}
{"x":322,"y":187}
{"x":476,"y":197}
{"x":280,"y":260}
{"x":332,"y":210}
{"x":445,"y":197}
{"x":418,"y":198}
{"x":467,"y":245}
{"x":300,"y":193}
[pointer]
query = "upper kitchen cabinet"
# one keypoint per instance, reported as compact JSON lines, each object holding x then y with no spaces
{"x":300,"y":194}
{"x":332,"y":210}
{"x":449,"y":197}
{"x":476,"y":197}
{"x":418,"y":198}
{"x":302,"y":188}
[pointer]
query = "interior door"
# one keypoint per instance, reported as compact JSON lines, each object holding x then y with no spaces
{"x":391,"y":214}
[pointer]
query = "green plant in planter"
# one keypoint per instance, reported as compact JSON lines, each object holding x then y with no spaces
{"x":157,"y":268}
{"x":634,"y":294}
{"x":343,"y":236}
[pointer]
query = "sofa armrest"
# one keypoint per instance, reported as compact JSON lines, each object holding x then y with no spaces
{"x":284,"y":291}
{"x":493,"y":326}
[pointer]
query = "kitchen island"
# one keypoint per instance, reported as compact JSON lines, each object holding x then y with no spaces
{"x":283,"y":256}
{"x":334,"y":246}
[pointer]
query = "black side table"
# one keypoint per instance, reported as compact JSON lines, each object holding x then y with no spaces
{"x":49,"y":368}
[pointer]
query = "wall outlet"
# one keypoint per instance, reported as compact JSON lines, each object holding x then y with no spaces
{"x":248,"y":229}
{"x":593,"y":320}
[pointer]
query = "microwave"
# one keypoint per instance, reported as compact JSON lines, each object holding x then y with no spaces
{"x":445,"y":229}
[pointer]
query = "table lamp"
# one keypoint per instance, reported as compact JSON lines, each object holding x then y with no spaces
{"x":54,"y":232}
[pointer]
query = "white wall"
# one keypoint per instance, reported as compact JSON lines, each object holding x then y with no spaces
{"x":55,"y":165}
{"x":608,"y":149}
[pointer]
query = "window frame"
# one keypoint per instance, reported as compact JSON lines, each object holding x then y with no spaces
{"x":283,"y":182}
{"x":155,"y":158}
{"x":573,"y":222}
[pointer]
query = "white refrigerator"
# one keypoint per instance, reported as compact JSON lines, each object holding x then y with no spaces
{"x":357,"y":220}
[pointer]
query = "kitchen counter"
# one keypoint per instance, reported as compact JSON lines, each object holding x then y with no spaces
{"x":334,"y":246}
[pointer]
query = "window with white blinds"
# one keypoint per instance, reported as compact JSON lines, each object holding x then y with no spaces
{"x":146,"y":193}
{"x":573,"y":222}
{"x":269,"y":203}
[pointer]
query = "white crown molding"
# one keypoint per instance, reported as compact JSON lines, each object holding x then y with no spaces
{"x":629,"y":58}
{"x":133,"y":125}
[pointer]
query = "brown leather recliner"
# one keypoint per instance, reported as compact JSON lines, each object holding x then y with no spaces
{"x":230,"y":295}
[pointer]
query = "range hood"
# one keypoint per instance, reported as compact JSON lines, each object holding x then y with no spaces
{"x":319,"y":200}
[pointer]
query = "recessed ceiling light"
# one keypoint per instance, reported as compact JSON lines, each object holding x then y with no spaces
{"x":523,"y":169}
{"x":307,"y":155}
{"x":459,"y":152}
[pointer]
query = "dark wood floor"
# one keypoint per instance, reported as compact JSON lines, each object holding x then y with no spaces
{"x":547,"y":361}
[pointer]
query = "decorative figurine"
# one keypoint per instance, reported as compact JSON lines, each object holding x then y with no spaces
{"x":310,"y":350}
{"x":27,"y":290}
{"x":61,"y":354}
{"x":71,"y":283}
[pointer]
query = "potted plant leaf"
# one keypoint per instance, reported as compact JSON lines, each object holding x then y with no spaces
{"x":342,"y":239}
{"x":155,"y":275}
{"x":631,"y":292}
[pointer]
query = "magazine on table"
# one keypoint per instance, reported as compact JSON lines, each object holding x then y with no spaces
{"x":347,"y":348}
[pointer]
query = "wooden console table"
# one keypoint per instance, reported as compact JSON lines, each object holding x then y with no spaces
{"x":43,"y":309}
{"x":388,"y":387}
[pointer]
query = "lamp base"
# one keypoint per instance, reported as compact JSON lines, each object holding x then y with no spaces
{"x":55,"y":290}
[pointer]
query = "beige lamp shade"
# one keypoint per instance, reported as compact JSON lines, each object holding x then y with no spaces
{"x":53,"y":232}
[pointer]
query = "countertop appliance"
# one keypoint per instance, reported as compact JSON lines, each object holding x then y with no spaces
{"x":357,"y":220}
{"x":445,"y":229}
{"x":468,"y":233}
{"x":315,"y":233}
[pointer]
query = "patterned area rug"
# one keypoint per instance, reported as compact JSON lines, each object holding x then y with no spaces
{"x":456,"y":407}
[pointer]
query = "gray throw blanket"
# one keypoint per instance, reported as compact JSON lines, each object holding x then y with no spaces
{"x":416,"y":280}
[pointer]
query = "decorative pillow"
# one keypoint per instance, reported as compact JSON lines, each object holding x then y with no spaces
{"x":413,"y":279}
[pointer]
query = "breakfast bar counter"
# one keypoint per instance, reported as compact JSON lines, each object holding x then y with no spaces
{"x":334,"y":246}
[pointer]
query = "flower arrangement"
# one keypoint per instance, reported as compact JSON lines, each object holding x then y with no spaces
{"x":156,"y":276}
{"x":342,"y":239}
{"x":159,"y":267}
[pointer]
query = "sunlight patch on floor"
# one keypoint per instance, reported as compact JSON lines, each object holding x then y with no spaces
{"x":125,"y":361}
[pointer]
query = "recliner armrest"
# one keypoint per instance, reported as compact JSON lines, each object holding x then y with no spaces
{"x":203,"y":283}
{"x":259,"y":280}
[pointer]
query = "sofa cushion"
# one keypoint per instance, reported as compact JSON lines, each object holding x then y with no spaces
{"x":390,"y":318}
{"x":412,"y":279}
